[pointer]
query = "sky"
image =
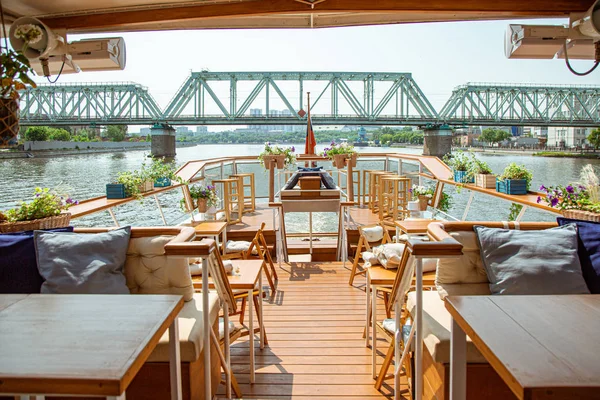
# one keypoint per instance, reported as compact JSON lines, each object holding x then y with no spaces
{"x":440,"y":56}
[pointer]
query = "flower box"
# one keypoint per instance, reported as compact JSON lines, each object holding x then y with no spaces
{"x":512,"y":186}
{"x":56,"y":221}
{"x":486,"y":181}
{"x":461,"y":177}
{"x":202,"y":205}
{"x":582,"y":215}
{"x":279,"y":160}
{"x":162,"y":182}
{"x":423,"y":202}
{"x":116,"y":191}
{"x":146,"y":186}
{"x":339,"y":160}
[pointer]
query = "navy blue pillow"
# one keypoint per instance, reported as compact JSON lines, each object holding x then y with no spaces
{"x":588,"y":238}
{"x":309,"y":169}
{"x":18,"y":266}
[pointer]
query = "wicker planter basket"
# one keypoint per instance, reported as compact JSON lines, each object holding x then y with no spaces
{"x":202,"y":205}
{"x":146,"y":186}
{"x":57,"y":221}
{"x":423,"y":202}
{"x":582,"y":215}
{"x":9,"y":122}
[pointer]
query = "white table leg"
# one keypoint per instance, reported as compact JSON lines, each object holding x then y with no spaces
{"x":121,"y":397}
{"x":367,"y":291}
{"x":219,"y":244}
{"x":458,"y":363}
{"x":251,"y":331}
{"x":419,"y":331}
{"x":260,"y":310}
{"x":374,"y":331}
{"x":224,"y":239}
{"x":175,"y":360}
{"x":207,"y":327}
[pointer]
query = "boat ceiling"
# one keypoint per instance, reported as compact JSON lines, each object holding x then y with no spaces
{"x":81,"y":16}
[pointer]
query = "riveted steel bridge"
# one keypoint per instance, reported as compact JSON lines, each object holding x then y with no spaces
{"x":338,"y":98}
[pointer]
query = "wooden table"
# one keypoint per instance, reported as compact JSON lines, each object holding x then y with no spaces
{"x":249,"y":276}
{"x":413,"y":227}
{"x":214,"y":229}
{"x":543,"y":347}
{"x":83,"y":344}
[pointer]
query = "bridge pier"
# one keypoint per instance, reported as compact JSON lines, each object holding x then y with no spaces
{"x":163,"y":140}
{"x":437,"y":140}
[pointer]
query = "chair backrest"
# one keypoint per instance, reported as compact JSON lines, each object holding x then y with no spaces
{"x":403,"y":280}
{"x":259,"y":242}
{"x":365,"y":241}
{"x":220,"y":280}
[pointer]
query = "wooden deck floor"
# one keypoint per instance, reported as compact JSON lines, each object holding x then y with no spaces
{"x":314,"y":325}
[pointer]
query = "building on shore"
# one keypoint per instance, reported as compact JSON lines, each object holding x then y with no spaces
{"x":568,"y":137}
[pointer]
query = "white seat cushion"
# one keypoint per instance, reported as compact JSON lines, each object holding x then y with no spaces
{"x":196,"y":267}
{"x":191,"y":332}
{"x":389,"y":253}
{"x":373,"y":234}
{"x":436,"y":329}
{"x":369,"y":258}
{"x":239,"y":246}
{"x":149,"y":271}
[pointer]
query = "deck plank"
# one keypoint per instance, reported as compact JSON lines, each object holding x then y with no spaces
{"x":316,"y":349}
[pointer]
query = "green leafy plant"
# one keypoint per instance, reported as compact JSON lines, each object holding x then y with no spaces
{"x":14,"y":74}
{"x":59,"y":134}
{"x":133,"y":182}
{"x":45,"y":203}
{"x":274,"y":150}
{"x":417,"y":191}
{"x":480,"y":167}
{"x":459,"y":160}
{"x":514,"y":171}
{"x":445,"y":202}
{"x":160,"y":168}
{"x":514,"y":211}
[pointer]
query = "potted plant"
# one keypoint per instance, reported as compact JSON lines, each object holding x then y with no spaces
{"x":14,"y":76}
{"x":205,"y":196}
{"x":339,"y":153}
{"x":162,"y":172}
{"x":423,"y":194}
{"x":126,"y":185}
{"x":516,"y":179}
{"x":460,"y":163}
{"x":577,"y":201}
{"x":483,"y":174}
{"x":45,"y":211}
{"x":282,"y":156}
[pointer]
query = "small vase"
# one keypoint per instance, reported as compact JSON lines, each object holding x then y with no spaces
{"x":279,"y":161}
{"x":353,"y":159}
{"x":423,"y":203}
{"x":202,"y":205}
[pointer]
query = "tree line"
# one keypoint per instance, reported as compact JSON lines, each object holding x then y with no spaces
{"x":115,"y":133}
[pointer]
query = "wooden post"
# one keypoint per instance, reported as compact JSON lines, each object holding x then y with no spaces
{"x":272,"y":181}
{"x":350,"y":181}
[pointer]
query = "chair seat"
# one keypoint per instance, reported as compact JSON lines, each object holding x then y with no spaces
{"x":382,"y":276}
{"x":389,"y":327}
{"x":191,"y":331}
{"x":235,"y":330}
{"x":436,"y":329}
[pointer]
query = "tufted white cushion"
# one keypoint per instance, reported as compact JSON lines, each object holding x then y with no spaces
{"x":149,"y":271}
{"x":373,"y":234}
{"x":370,"y":259}
{"x":467,"y":268}
{"x":196,"y":267}
{"x":389,"y":252}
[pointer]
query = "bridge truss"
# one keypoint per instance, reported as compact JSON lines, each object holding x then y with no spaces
{"x":338,"y":98}
{"x":88,"y":103}
{"x":518,"y":105}
{"x":349,"y":97}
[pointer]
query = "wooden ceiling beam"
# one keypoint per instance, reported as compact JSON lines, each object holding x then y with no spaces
{"x":485,"y":8}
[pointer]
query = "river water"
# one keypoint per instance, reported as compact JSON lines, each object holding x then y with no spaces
{"x":88,"y":174}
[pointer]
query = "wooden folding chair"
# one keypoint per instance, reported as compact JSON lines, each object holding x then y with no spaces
{"x":364,"y":245}
{"x":260,"y":244}
{"x":399,"y":291}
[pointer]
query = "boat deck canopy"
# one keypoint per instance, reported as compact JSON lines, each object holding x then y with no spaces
{"x":139,"y":15}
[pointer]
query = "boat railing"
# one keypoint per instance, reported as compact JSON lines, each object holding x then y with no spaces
{"x":421,"y":169}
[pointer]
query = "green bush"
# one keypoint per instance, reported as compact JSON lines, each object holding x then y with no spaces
{"x":80,"y":138}
{"x":37,"y":133}
{"x":59,"y":134}
{"x":116,"y":133}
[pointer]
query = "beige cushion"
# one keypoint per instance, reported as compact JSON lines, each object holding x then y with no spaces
{"x":239,"y":246}
{"x":436,"y":329}
{"x":373,"y":234}
{"x":467,"y":268}
{"x":464,"y":289}
{"x":149,"y":271}
{"x":389,"y":252}
{"x":196,"y":267}
{"x":369,"y":258}
{"x":191,"y":332}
